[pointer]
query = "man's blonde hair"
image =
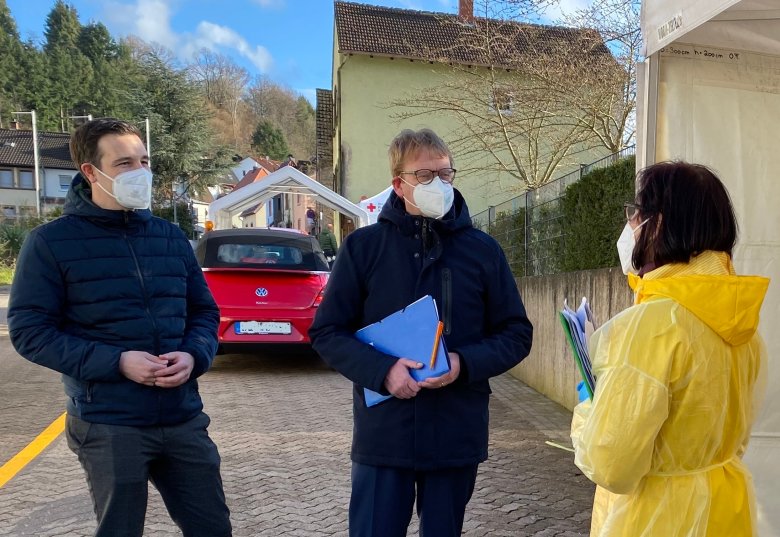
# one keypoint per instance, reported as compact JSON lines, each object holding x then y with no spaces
{"x":409,"y":143}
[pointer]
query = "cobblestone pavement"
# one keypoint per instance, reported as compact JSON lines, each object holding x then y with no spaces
{"x":283,"y":426}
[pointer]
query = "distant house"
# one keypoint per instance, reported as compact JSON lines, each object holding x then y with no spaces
{"x":279,"y":211}
{"x":247,"y":164}
{"x":382,"y":55}
{"x":17,"y":172}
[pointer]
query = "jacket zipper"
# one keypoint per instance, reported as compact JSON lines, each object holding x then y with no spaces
{"x":90,"y":386}
{"x":149,"y":312}
{"x":446,"y":297}
{"x":146,"y":298}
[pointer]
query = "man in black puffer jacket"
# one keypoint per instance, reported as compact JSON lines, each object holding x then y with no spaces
{"x":430,"y":437}
{"x":113,"y":298}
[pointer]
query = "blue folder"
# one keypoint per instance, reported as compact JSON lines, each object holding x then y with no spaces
{"x":408,"y":333}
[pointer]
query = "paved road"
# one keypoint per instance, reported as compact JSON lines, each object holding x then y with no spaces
{"x":283,"y":426}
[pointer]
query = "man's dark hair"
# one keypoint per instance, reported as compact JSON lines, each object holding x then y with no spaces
{"x":84,"y":141}
{"x":688,"y":211}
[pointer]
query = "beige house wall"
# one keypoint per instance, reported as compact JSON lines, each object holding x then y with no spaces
{"x":17,"y":197}
{"x":364,"y":89}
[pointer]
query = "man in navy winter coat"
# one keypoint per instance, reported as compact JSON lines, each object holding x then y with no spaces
{"x":427,"y":440}
{"x":113,"y":298}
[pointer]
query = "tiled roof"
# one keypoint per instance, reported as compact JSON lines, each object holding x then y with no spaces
{"x":324,"y":124}
{"x":250,"y":177}
{"x":250,"y":211}
{"x":16,"y":149}
{"x":385,"y":31}
{"x":268,"y":164}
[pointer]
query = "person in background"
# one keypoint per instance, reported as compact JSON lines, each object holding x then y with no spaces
{"x":311,"y":221}
{"x":328,"y":243}
{"x":680,"y":374}
{"x":428,"y":440}
{"x":113,"y":298}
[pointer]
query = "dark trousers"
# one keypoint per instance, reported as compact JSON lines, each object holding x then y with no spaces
{"x":180,"y":460}
{"x":383,"y":498}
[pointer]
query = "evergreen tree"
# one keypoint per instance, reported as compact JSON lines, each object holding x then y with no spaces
{"x":268,"y":140}
{"x":105,"y":95}
{"x":31,"y":87}
{"x":11,"y":48}
{"x":69,"y":70}
{"x":96,"y":43}
{"x":184,"y":154}
{"x":62,"y":27}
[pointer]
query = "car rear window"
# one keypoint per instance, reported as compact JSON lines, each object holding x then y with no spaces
{"x":263,"y":252}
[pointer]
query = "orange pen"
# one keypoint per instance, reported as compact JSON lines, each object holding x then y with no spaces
{"x":439,"y":329}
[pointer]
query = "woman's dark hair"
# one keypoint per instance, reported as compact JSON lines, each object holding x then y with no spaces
{"x":688,"y":211}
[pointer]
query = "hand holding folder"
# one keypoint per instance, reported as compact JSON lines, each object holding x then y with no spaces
{"x":414,"y":333}
{"x":578,"y":326}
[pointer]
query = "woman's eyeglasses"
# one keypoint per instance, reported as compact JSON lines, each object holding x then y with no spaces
{"x":632,"y":210}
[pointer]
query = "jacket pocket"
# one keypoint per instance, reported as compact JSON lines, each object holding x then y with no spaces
{"x":446,"y":298}
{"x":90,"y":389}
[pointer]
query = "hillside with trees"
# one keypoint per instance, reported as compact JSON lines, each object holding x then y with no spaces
{"x":202,"y":113}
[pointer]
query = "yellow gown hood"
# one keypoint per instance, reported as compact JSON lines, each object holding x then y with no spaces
{"x":710,"y":289}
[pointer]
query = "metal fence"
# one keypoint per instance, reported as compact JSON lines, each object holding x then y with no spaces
{"x":529,"y":226}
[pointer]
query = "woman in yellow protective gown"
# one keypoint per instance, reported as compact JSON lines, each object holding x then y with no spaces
{"x":680,"y":374}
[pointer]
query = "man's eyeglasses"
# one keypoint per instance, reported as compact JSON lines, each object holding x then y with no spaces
{"x":632,"y":210}
{"x":424,"y":177}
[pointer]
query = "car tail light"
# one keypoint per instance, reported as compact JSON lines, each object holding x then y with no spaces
{"x":321,"y":294}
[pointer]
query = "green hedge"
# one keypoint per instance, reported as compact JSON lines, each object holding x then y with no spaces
{"x":593,"y":216}
{"x":509,"y":230}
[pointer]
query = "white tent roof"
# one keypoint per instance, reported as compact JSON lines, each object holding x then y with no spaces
{"x":740,"y":24}
{"x":286,"y":180}
{"x":373,"y":205}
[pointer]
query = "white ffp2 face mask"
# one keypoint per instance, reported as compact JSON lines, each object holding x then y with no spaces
{"x":625,"y":247}
{"x":132,"y":189}
{"x":434,"y":199}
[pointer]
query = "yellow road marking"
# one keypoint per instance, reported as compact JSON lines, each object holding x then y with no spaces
{"x":33,"y":449}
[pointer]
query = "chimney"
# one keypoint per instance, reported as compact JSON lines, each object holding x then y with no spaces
{"x":466,"y":10}
{"x":15,"y":124}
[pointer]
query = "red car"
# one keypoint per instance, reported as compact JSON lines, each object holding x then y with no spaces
{"x":266,"y":282}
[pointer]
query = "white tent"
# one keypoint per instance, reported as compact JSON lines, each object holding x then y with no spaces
{"x":710,"y":93}
{"x":373,"y":205}
{"x":286,"y":180}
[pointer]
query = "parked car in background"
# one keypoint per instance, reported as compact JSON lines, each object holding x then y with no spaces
{"x":267,"y":283}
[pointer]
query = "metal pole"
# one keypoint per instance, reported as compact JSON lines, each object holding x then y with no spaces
{"x":148,"y":143}
{"x":148,"y":150}
{"x":36,"y":161}
{"x":37,"y":165}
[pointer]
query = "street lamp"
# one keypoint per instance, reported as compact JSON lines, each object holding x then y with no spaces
{"x":88,"y":117}
{"x":35,"y":159}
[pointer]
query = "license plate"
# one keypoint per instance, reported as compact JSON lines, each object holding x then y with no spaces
{"x":256,"y":327}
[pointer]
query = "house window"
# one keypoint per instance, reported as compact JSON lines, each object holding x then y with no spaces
{"x":502,"y":101}
{"x":26,"y":179}
{"x":9,"y":212}
{"x":26,"y":211}
{"x":6,"y":179}
{"x":65,"y":182}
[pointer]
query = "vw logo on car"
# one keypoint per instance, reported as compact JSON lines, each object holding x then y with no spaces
{"x":261,"y":291}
